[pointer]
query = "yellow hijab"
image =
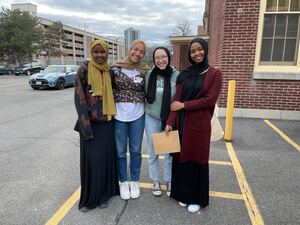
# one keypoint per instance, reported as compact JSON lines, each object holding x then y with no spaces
{"x":99,"y":86}
{"x":128,"y":64}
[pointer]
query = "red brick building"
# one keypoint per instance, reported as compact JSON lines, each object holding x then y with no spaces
{"x":180,"y":48}
{"x":256,"y":43}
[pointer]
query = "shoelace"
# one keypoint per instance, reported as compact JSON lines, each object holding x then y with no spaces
{"x":156,"y":186}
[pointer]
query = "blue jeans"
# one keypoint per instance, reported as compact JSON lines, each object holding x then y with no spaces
{"x":153,"y":126}
{"x":131,"y":132}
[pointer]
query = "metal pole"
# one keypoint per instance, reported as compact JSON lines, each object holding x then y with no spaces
{"x":118,"y":52}
{"x":113,"y":52}
{"x":229,"y":112}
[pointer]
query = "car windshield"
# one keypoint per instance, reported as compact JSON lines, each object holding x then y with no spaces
{"x":26,"y":65}
{"x":55,"y":69}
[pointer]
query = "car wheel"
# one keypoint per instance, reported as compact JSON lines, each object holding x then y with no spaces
{"x":60,"y":84}
{"x":28,"y":73}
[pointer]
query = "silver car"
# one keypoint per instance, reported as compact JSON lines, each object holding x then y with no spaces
{"x":54,"y":76}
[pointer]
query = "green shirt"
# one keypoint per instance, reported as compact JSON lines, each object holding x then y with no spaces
{"x":154,"y":109}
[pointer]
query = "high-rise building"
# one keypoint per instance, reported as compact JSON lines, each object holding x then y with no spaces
{"x":131,"y":34}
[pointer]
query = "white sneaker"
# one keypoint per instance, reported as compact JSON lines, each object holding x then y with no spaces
{"x":182,"y":204}
{"x":124,"y":190}
{"x":168,"y":189}
{"x":134,"y":189}
{"x":156,"y":191}
{"x":193,"y":208}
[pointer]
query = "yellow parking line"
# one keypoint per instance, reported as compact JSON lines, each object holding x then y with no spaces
{"x":252,"y":208}
{"x":224,"y":163}
{"x":283,"y":135}
{"x":211,"y":193}
{"x":64,"y":209}
{"x":226,"y":195}
{"x":146,"y":156}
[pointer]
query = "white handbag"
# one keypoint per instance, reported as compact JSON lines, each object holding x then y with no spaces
{"x":217,"y":132}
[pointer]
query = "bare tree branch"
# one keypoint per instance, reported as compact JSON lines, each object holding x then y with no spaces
{"x":183,"y":28}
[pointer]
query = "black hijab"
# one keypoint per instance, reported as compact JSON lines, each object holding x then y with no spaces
{"x":191,"y":77}
{"x":195,"y":68}
{"x":151,"y":88}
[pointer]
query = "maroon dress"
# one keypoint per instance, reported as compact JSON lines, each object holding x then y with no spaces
{"x":190,"y":171}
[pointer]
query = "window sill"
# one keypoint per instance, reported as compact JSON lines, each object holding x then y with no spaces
{"x":276,"y":75}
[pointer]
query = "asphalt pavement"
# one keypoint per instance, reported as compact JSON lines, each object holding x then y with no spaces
{"x":254,"y":179}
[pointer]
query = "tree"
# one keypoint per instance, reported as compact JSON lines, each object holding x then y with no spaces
{"x":19,"y":36}
{"x":183,"y":28}
{"x":148,"y":58}
{"x":52,"y":40}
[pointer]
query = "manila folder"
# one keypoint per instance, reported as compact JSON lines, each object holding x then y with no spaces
{"x":166,"y":143}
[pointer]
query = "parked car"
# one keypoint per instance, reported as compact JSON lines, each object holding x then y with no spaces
{"x":29,"y":68}
{"x":5,"y":70}
{"x":54,"y":76}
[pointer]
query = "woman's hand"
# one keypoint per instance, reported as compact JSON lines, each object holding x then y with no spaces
{"x":168,"y":128}
{"x":176,"y":106}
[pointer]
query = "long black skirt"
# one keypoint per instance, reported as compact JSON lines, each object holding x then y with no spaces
{"x":98,"y":166}
{"x":190,"y":183}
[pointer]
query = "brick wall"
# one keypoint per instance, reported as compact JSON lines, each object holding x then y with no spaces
{"x":232,"y":43}
{"x":216,"y":31}
{"x":184,"y":57}
{"x":180,"y":56}
{"x":176,"y":56}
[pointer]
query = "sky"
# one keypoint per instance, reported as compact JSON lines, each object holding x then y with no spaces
{"x":156,"y":19}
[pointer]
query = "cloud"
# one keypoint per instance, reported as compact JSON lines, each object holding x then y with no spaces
{"x":156,"y":19}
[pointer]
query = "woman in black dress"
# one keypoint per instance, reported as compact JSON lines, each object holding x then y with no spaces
{"x":197,"y":89}
{"x":95,"y":107}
